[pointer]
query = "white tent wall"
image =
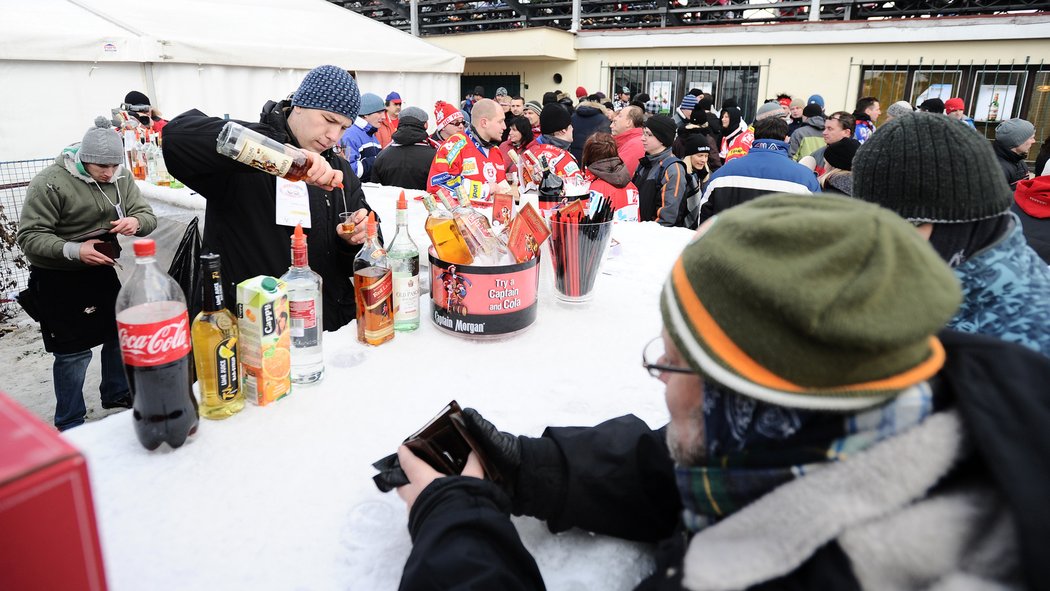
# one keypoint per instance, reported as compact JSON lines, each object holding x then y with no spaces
{"x":416,"y":89}
{"x":49,"y":105}
{"x":64,"y":62}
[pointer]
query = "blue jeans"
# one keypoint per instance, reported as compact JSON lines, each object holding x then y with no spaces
{"x":69,"y":371}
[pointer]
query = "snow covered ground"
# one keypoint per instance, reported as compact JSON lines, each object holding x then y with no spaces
{"x":281,"y":497}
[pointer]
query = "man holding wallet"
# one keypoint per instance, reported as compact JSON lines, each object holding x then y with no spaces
{"x":74,"y":210}
{"x":844,"y":441}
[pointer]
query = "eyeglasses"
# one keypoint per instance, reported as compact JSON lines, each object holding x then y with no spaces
{"x":654,"y":349}
{"x":459,"y":124}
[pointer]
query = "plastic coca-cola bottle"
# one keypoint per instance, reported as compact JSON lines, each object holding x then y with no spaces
{"x":154,"y":333}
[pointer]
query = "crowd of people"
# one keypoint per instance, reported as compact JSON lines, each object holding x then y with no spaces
{"x":855,"y":344}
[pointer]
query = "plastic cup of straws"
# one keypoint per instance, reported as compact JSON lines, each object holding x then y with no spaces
{"x":577,"y":250}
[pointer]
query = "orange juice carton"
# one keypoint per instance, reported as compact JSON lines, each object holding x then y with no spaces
{"x":265,"y":340}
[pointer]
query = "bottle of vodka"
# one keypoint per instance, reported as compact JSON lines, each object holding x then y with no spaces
{"x":304,"y":304}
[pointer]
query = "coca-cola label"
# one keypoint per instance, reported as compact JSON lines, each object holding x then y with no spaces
{"x":155,"y":343}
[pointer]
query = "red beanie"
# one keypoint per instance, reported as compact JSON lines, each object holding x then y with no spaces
{"x":445,"y":113}
{"x":954,"y":104}
{"x":581,"y":92}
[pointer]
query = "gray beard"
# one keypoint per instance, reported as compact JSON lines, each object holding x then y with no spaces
{"x":687,"y":447}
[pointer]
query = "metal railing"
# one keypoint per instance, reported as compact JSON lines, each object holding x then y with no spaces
{"x":667,"y":83}
{"x":434,"y":17}
{"x":14,"y":179}
{"x":992,"y":90}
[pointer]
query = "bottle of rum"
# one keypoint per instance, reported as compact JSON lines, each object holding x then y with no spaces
{"x":214,"y":337}
{"x":404,"y":264}
{"x":373,"y":290}
{"x":258,"y":151}
{"x":444,"y":234}
{"x":304,"y":307}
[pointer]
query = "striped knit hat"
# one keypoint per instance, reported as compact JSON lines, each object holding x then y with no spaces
{"x":821,"y":303}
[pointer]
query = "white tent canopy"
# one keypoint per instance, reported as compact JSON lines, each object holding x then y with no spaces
{"x":64,"y":62}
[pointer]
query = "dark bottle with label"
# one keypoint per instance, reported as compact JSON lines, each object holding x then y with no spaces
{"x":214,"y":336}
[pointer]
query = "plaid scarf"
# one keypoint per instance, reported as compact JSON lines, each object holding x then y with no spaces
{"x":753,"y":447}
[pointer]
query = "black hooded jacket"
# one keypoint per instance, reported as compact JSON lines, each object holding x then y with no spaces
{"x":240,"y":218}
{"x":1012,"y":163}
{"x":406,"y":161}
{"x":586,"y":121}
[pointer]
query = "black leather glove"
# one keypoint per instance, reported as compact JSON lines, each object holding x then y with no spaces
{"x":501,"y":449}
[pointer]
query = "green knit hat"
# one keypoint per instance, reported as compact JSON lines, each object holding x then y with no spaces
{"x":928,"y":168}
{"x":822,"y":303}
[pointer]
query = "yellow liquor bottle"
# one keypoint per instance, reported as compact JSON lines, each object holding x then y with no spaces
{"x":444,"y":235}
{"x":214,"y":338}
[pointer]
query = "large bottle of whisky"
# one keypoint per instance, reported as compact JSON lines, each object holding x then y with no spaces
{"x":373,"y":290}
{"x":258,"y":151}
{"x":214,"y":338}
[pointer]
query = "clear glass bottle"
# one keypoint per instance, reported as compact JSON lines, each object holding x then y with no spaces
{"x":305,"y":308}
{"x":373,"y":290}
{"x":258,"y":151}
{"x":449,"y":244}
{"x":214,"y":338}
{"x":404,"y":264}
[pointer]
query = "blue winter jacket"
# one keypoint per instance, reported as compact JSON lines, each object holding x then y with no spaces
{"x":360,"y":148}
{"x":1006,"y":293}
{"x":767,"y":168}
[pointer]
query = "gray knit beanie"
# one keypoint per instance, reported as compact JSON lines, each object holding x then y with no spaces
{"x":414,"y":113}
{"x":329,"y":88}
{"x":101,"y":144}
{"x":770,"y":109}
{"x":928,"y":168}
{"x":1013,"y":132}
{"x":900,"y":108}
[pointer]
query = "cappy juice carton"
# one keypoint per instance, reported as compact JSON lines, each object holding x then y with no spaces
{"x":265,"y":340}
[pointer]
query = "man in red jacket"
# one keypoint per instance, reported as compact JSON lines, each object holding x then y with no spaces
{"x":627,"y":131}
{"x":472,"y":157}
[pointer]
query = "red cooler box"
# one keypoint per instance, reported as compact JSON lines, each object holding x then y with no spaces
{"x":48,"y":538}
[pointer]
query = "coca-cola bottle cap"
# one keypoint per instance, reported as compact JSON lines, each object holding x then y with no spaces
{"x":145,"y":247}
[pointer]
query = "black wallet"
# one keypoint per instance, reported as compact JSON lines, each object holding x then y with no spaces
{"x":444,"y":443}
{"x":109,"y":245}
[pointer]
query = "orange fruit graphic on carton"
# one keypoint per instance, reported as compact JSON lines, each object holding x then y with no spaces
{"x":262,"y":310}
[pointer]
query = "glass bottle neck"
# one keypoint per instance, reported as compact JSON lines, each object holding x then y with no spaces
{"x":212,"y":300}
{"x":300,"y":258}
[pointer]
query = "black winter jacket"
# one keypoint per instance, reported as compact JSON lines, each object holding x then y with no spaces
{"x":586,"y":121}
{"x":1012,"y":163}
{"x":1036,"y":232}
{"x":406,"y":161}
{"x":239,"y":221}
{"x":617,"y":479}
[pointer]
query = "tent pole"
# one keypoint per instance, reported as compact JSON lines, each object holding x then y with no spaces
{"x":151,"y":87}
{"x":414,"y":17}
